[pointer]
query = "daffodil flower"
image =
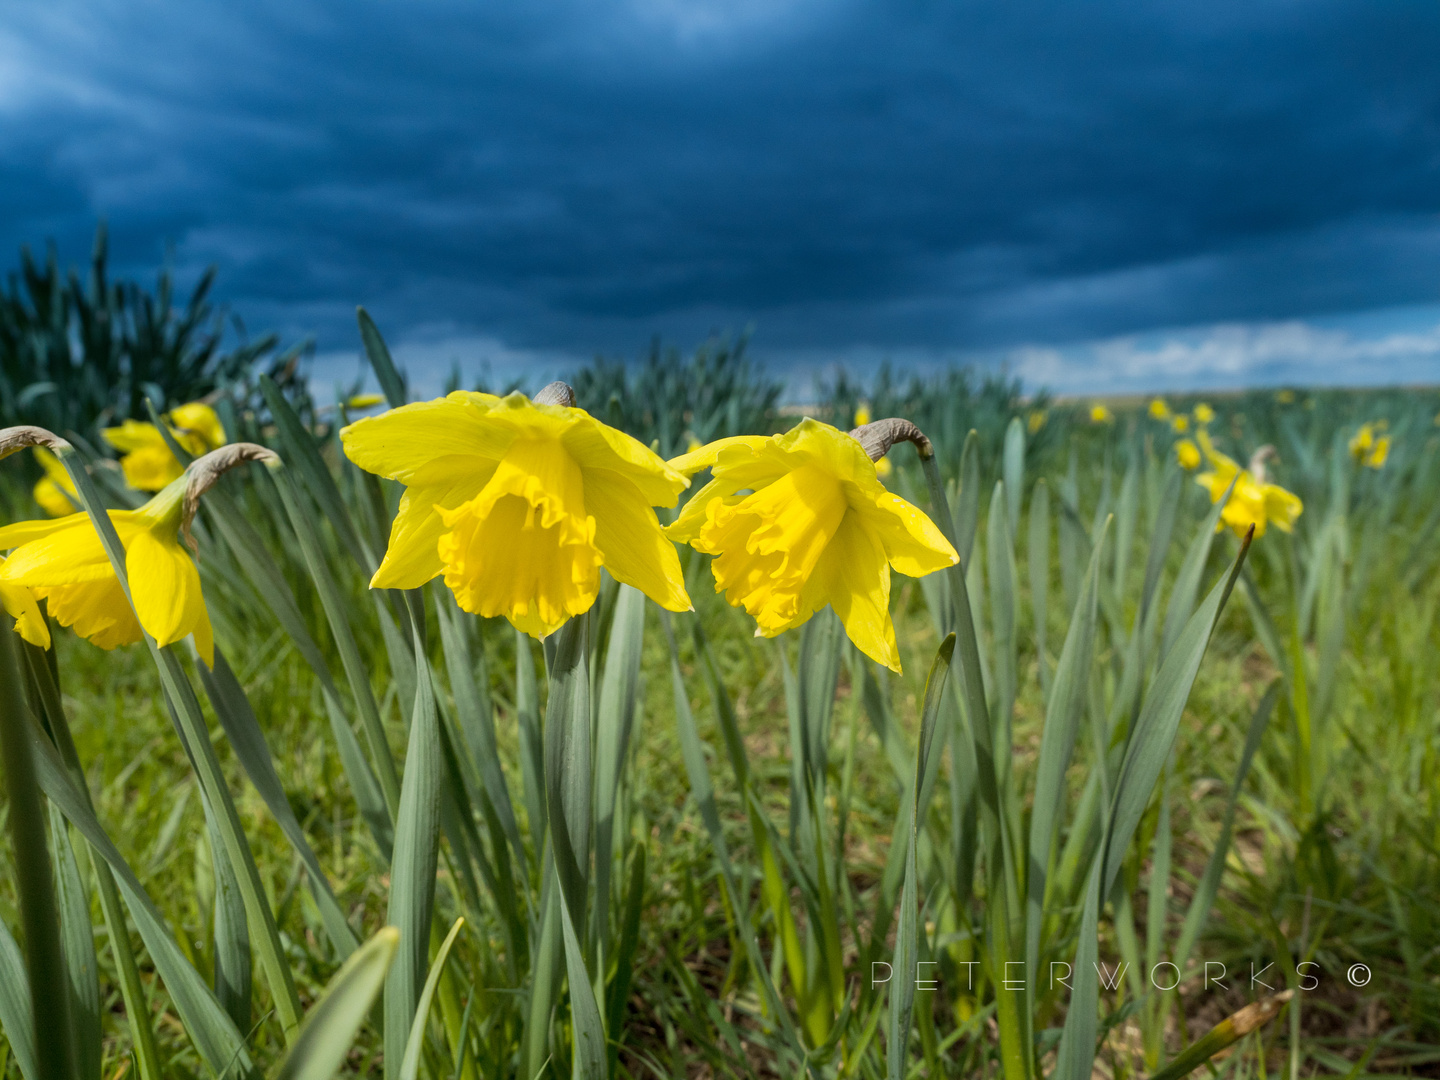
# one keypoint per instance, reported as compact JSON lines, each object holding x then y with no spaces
{"x":862,"y":414}
{"x":1099,"y":414}
{"x":519,"y":504}
{"x":1180,"y":423}
{"x":56,"y":491}
{"x":1187,"y":454}
{"x":1368,"y":448}
{"x":63,"y":563}
{"x":1204,"y":414}
{"x":148,"y":461}
{"x":1253,"y":501}
{"x":1159,"y":410}
{"x":801,"y":520}
{"x":1034,"y":421}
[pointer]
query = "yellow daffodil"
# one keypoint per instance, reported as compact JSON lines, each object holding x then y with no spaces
{"x":364,"y":401}
{"x":56,"y":492}
{"x":1253,"y":501}
{"x":19,"y":603}
{"x":1368,"y":448}
{"x":800,"y":520}
{"x":1285,"y":397}
{"x":883,"y":467}
{"x":1204,"y":414}
{"x":518,"y":504}
{"x":1034,"y":421}
{"x":1188,"y":454}
{"x":1159,"y":410}
{"x":63,"y":563}
{"x":1099,"y":414}
{"x":862,"y":414}
{"x":692,"y":444}
{"x":1180,"y":423}
{"x":148,"y":463}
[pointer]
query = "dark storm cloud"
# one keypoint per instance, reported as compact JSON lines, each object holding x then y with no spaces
{"x":567,"y":176}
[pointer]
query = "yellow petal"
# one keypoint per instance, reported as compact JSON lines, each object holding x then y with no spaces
{"x":629,"y":537}
{"x":165,"y":587}
{"x":98,"y":611}
{"x":412,"y":557}
{"x":913,"y":543}
{"x":151,"y":468}
{"x":133,"y":435}
{"x":201,"y":420}
{"x":856,"y":581}
{"x":709,"y":454}
{"x":19,"y":603}
{"x":401,"y":443}
{"x":67,"y":553}
{"x":596,"y":445}
{"x":1282,"y":507}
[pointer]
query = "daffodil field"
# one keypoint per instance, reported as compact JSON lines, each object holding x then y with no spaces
{"x":640,"y":729}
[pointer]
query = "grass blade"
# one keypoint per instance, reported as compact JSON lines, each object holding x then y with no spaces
{"x":17,"y":1018}
{"x":77,"y":941}
{"x":410,"y":1067}
{"x":392,"y":383}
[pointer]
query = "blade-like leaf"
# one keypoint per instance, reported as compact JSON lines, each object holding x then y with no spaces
{"x":410,"y":1067}
{"x":330,"y":1028}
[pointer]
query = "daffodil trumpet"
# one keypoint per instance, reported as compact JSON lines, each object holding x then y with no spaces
{"x":65,"y":562}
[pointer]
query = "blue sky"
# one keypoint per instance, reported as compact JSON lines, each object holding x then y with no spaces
{"x":1110,"y":195}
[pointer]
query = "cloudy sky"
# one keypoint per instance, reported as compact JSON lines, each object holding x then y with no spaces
{"x":1111,"y":195}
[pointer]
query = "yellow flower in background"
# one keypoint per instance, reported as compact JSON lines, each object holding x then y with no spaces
{"x":1159,"y":410}
{"x":148,"y":463}
{"x":364,"y":401}
{"x":862,"y":414}
{"x":1368,"y":448}
{"x":1188,"y":454}
{"x":1253,"y":501}
{"x":56,"y":490}
{"x":518,"y":505}
{"x":63,"y":563}
{"x":692,"y":444}
{"x":1099,"y":414}
{"x":1034,"y":422}
{"x":1180,"y":423}
{"x":800,"y":520}
{"x":1204,"y":414}
{"x":1285,"y":397}
{"x":883,"y":467}
{"x":19,"y":603}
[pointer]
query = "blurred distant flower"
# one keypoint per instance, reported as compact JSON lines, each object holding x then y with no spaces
{"x":148,"y":462}
{"x":1035,"y":420}
{"x":56,"y":491}
{"x":1180,"y":423}
{"x":1159,"y":410}
{"x":1188,"y":454}
{"x":1369,"y":448}
{"x":1253,"y":501}
{"x":364,"y":401}
{"x":1285,"y":397}
{"x":1204,"y":414}
{"x":862,"y":414}
{"x":692,"y":444}
{"x":1099,"y":414}
{"x":883,"y":467}
{"x":800,"y":520}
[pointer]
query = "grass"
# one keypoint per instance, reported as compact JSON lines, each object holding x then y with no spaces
{"x":737,"y":938}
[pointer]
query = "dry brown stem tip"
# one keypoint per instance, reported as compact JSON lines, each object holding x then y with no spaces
{"x":15,"y":439}
{"x":877,"y":438}
{"x":556,"y":393}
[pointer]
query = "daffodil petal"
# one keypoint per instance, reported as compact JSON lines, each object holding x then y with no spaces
{"x":98,"y":611}
{"x":912,"y":542}
{"x":856,"y":581}
{"x":597,"y":445}
{"x":165,"y":587}
{"x":69,"y":553}
{"x":404,"y":441}
{"x":412,"y":557}
{"x":628,"y":535}
{"x":19,"y":602}
{"x":709,"y":454}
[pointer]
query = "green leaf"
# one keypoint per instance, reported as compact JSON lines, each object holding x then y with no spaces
{"x":392,"y":383}
{"x":77,"y":941}
{"x":330,"y":1027}
{"x":1013,"y":471}
{"x":410,"y":1067}
{"x":17,"y":1019}
{"x":907,"y":944}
